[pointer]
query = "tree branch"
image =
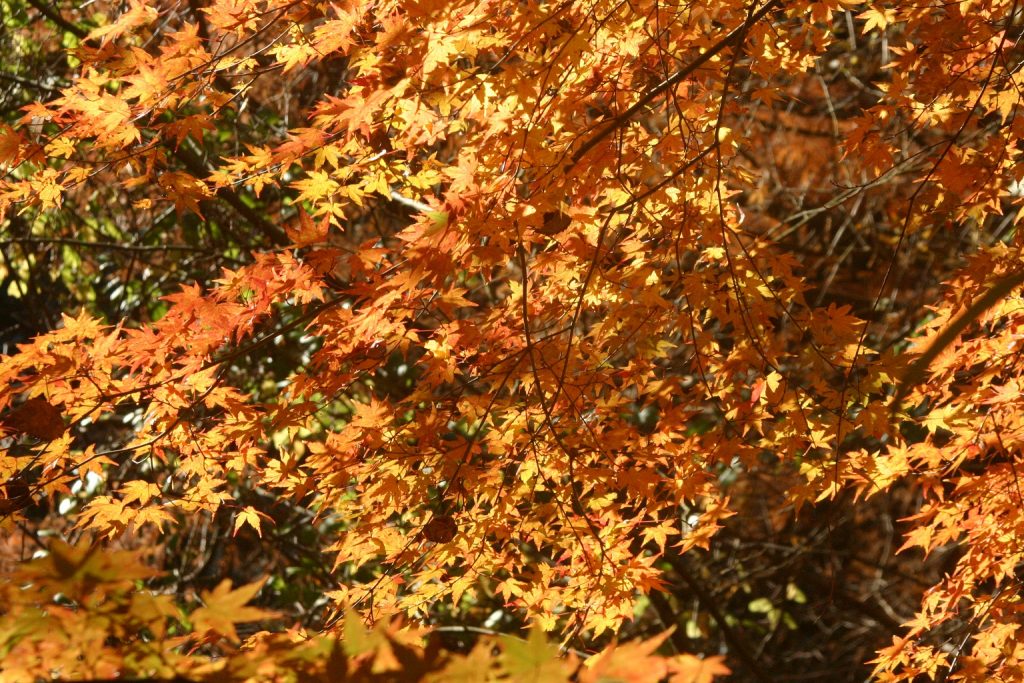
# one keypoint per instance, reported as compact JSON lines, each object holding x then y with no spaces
{"x":197,"y":168}
{"x":55,"y":16}
{"x":733,"y":37}
{"x":736,"y":640}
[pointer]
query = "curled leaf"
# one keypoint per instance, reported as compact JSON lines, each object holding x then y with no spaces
{"x":440,"y":529}
{"x":17,"y":497}
{"x":36,"y":417}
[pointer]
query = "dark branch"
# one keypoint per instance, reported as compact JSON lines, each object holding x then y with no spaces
{"x":733,"y":37}
{"x":55,"y":16}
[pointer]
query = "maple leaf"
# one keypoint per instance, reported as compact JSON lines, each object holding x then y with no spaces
{"x":472,"y":668}
{"x":189,"y":127}
{"x":318,"y":186}
{"x":17,"y":496}
{"x":141,"y":491}
{"x":440,"y":529}
{"x":223,"y":608}
{"x":660,"y":533}
{"x":249,"y":515}
{"x":139,"y":13}
{"x":629,"y":662}
{"x":690,"y":669}
{"x":533,"y":659}
{"x":10,"y":146}
{"x":48,"y":189}
{"x":877,"y":17}
{"x":38,"y":418}
{"x":306,"y":232}
{"x":184,"y":190}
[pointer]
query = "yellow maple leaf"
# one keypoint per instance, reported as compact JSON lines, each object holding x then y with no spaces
{"x":223,"y":608}
{"x":877,"y":17}
{"x":249,"y":515}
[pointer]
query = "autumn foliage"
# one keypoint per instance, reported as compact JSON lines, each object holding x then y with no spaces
{"x":667,"y":339}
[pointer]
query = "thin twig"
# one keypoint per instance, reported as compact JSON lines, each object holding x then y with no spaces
{"x":623,"y":118}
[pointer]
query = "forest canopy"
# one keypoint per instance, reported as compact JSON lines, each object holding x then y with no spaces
{"x":583,"y":340}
